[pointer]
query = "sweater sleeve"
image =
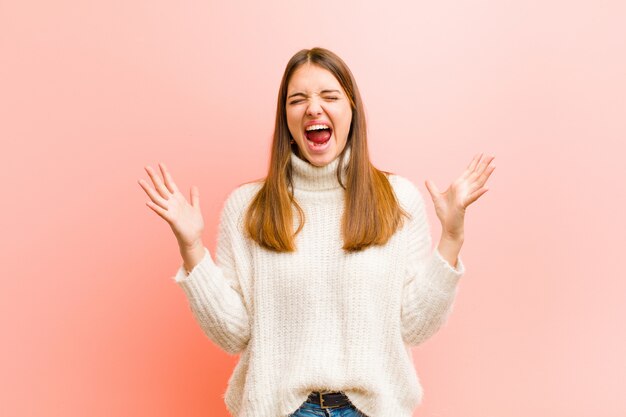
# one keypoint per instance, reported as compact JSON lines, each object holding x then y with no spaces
{"x":430,"y":284}
{"x":213,"y":289}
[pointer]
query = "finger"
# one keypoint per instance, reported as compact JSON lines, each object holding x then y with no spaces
{"x":195,"y":196}
{"x":472,"y":188}
{"x":158,"y":210}
{"x":152,"y":194}
{"x":485,"y":175}
{"x":158,"y":184}
{"x":474,"y":196}
{"x":471,"y":166}
{"x":484,"y":164}
{"x":474,"y":162}
{"x":478,"y":181}
{"x":432,"y":189}
{"x":169,"y":181}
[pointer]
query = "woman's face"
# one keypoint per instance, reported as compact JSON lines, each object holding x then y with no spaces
{"x":315,"y":99}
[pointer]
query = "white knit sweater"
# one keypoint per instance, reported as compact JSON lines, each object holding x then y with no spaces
{"x":318,"y":319}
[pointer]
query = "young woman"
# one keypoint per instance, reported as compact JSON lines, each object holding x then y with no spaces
{"x":324,"y":277}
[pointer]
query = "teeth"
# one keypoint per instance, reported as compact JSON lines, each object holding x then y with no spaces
{"x":316,"y":127}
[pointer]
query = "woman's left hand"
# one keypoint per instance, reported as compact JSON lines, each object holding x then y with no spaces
{"x":450,"y":205}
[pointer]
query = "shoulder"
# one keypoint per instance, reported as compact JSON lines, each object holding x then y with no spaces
{"x":407,"y":193}
{"x":239,"y":199}
{"x":243,"y":194}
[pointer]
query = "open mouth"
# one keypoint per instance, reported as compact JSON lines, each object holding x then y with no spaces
{"x":318,"y":135}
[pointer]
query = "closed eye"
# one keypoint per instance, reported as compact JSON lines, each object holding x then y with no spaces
{"x":326,"y":98}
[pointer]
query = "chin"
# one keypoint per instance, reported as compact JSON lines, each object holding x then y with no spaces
{"x":322,"y":160}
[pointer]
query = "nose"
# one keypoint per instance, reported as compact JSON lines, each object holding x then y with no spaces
{"x":314,"y":108}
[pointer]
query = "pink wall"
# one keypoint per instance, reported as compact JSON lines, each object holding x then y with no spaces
{"x":90,"y":92}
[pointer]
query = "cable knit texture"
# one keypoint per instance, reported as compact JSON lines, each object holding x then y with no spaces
{"x":320,"y":319}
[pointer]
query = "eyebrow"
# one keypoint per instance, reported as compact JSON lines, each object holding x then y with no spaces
{"x":321,"y":92}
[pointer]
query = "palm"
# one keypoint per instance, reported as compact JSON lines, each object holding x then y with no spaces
{"x":451,"y":204}
{"x":168,"y":202}
{"x":184,"y":218}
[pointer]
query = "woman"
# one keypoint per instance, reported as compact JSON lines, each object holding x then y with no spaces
{"x":324,"y":276}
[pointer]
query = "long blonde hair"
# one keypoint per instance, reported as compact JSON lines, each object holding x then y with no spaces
{"x":371,"y":214}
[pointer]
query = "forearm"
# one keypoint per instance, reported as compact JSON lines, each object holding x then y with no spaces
{"x":217,"y":303}
{"x":430,"y":291}
{"x":449,"y":248}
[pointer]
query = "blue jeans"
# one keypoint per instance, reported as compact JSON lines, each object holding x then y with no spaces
{"x":308,"y":409}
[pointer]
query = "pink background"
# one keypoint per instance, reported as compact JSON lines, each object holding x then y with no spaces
{"x":91,"y":92}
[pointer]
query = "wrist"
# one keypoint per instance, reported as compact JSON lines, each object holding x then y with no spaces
{"x":453,"y":237}
{"x":191,"y":246}
{"x":449,"y":248}
{"x":192,"y":255}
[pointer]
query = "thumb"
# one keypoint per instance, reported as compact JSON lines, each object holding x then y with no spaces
{"x":432,"y":189}
{"x":195,"y":196}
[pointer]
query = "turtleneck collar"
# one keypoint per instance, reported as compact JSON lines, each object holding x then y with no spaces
{"x":307,"y":176}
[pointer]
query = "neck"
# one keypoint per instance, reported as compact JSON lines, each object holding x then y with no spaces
{"x":307,"y":176}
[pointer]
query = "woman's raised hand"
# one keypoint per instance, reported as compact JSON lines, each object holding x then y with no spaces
{"x":450,"y":205}
{"x":168,"y":202}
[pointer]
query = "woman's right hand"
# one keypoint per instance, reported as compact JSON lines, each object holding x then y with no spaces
{"x":168,"y":202}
